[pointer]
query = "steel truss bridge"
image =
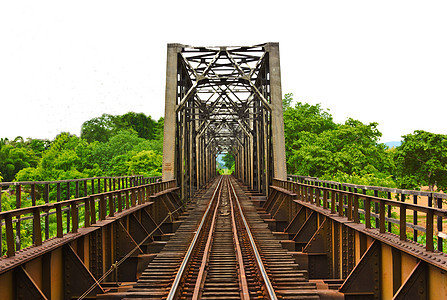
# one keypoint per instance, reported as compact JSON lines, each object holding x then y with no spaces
{"x":193,"y":234}
{"x":223,"y":99}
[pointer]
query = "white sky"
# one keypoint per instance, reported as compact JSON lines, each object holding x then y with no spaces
{"x":65,"y":62}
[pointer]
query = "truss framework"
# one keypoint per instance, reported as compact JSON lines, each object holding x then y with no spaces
{"x":221,"y":99}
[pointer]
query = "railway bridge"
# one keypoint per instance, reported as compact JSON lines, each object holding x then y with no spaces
{"x":194,"y":234}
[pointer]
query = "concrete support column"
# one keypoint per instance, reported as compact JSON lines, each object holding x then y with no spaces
{"x":170,"y":115}
{"x":279,"y":150}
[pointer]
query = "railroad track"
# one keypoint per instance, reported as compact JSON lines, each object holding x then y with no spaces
{"x":223,"y":250}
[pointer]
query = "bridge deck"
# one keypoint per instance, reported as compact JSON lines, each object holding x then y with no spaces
{"x":314,"y":241}
{"x":219,"y":267}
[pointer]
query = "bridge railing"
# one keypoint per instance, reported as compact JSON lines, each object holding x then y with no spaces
{"x":401,"y":194}
{"x":353,"y":202}
{"x":87,"y":200}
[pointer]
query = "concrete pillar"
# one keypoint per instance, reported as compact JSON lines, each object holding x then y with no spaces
{"x":170,"y":115}
{"x":278,"y":141}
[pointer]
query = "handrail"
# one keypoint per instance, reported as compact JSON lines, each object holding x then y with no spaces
{"x":109,"y":184}
{"x":346,"y":203}
{"x":112,"y":201}
{"x":13,"y":183}
{"x":317,"y":181}
{"x":436,"y":211}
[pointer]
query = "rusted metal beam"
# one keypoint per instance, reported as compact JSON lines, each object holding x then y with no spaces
{"x":77,"y":278}
{"x":306,"y":232}
{"x":26,"y":287}
{"x":319,"y":252}
{"x":416,"y":285}
{"x":364,"y":280}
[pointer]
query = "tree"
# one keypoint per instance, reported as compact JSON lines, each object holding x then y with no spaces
{"x":3,"y":141}
{"x":287,"y":101}
{"x":302,"y":124}
{"x":228,"y":159}
{"x":317,"y":146}
{"x":159,"y":126}
{"x":146,"y":162}
{"x":18,"y":154}
{"x":350,"y":148}
{"x":155,"y":145}
{"x":114,"y":156}
{"x":421,"y":160}
{"x":38,"y":146}
{"x":119,"y":145}
{"x":143,"y":125}
{"x":15,"y":157}
{"x":99,"y":129}
{"x":68,"y":157}
{"x":102,"y":128}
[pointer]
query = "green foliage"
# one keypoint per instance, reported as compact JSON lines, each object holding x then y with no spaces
{"x":99,"y":129}
{"x":159,"y":127}
{"x":15,"y":156}
{"x":317,"y":146}
{"x":225,"y":171}
{"x":26,"y":227}
{"x":228,"y":159}
{"x":143,"y":125}
{"x":112,"y":155}
{"x":118,"y":165}
{"x":287,"y":101}
{"x":119,"y":156}
{"x":146,"y":162}
{"x":67,"y":157}
{"x":350,"y":152}
{"x":102,"y":128}
{"x":38,"y":146}
{"x":366,"y":179}
{"x":109,"y":146}
{"x":421,"y":160}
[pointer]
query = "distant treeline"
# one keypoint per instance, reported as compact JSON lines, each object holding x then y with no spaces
{"x":316,"y":146}
{"x":109,"y":145}
{"x":350,"y":152}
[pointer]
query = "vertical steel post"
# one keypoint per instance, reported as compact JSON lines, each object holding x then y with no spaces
{"x":47,"y":220}
{"x":18,"y":205}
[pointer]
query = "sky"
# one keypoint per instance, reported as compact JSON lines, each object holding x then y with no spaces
{"x":65,"y":62}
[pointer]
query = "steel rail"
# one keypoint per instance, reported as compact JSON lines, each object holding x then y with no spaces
{"x":268,"y":284}
{"x":206,"y":253}
{"x":178,"y":277}
{"x":245,"y":294}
